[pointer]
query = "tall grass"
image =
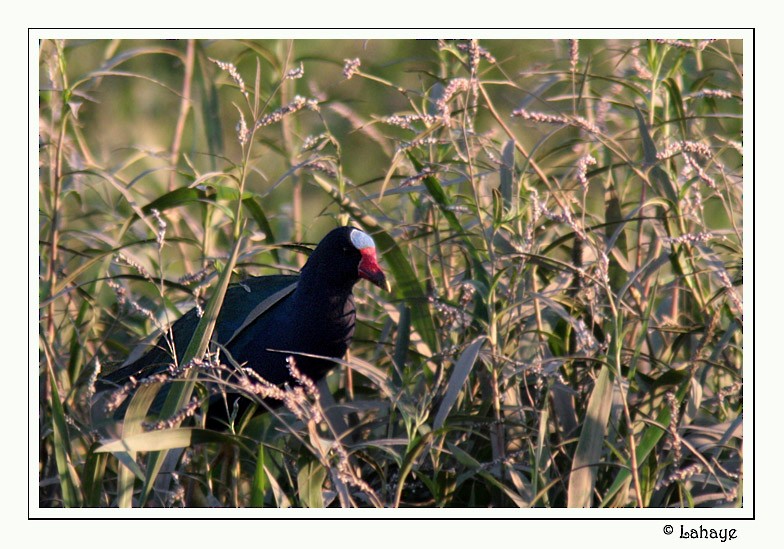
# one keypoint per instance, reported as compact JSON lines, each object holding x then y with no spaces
{"x":561,"y":222}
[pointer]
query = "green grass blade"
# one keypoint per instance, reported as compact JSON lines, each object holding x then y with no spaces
{"x":310,"y":482}
{"x":260,"y":483}
{"x":174,"y":199}
{"x":180,"y":393}
{"x":648,"y":146}
{"x":164,"y":439}
{"x":658,"y":175}
{"x":408,"y":463}
{"x":94,"y":470}
{"x":511,"y":494}
{"x":210,"y":107}
{"x":478,"y":265}
{"x":402,"y":342}
{"x":509,"y":190}
{"x":257,"y":213}
{"x":460,"y":373}
{"x":69,"y":483}
{"x":132,"y":468}
{"x":591,"y":442}
{"x":75,"y":361}
{"x":464,"y":457}
{"x":648,"y":441}
{"x":676,"y":102}
{"x":132,"y":425}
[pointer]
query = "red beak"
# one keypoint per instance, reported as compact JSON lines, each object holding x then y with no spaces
{"x":369,"y":269}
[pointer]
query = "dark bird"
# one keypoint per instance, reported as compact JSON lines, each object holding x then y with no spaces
{"x":264,"y":320}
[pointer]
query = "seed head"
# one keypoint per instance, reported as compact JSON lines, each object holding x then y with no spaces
{"x":574,"y":53}
{"x":351,"y":67}
{"x":234,"y":73}
{"x":295,"y":73}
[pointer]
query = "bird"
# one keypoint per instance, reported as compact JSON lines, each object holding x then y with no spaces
{"x":265,"y":320}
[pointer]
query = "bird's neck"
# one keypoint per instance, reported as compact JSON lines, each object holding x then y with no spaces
{"x":319,"y":286}
{"x":324,"y":297}
{"x":325,"y":315}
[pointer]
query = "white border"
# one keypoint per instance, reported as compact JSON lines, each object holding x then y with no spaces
{"x":582,"y":530}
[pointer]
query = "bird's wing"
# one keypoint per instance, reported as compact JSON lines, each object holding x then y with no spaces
{"x":268,"y":300}
{"x":244,"y":302}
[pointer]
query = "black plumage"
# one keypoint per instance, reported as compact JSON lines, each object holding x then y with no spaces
{"x":313,"y":314}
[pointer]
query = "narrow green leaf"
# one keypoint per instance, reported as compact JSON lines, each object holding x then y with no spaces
{"x":614,"y":227}
{"x":101,"y":74}
{"x":378,"y":377}
{"x":657,"y":175}
{"x":130,"y":467}
{"x":174,"y":199}
{"x":648,"y":441}
{"x":458,"y":378}
{"x":69,"y":484}
{"x":437,"y":193}
{"x":498,"y":209}
{"x":260,"y":485}
{"x":90,"y":260}
{"x":180,"y":393}
{"x":94,"y":470}
{"x":163,"y":439}
{"x":511,"y":494}
{"x":644,"y":330}
{"x":257,"y":213}
{"x":76,"y":347}
{"x":408,"y":462}
{"x":648,"y":146}
{"x":310,"y":482}
{"x":508,"y":186}
{"x":127,"y":55}
{"x":281,"y":499}
{"x":591,"y":442}
{"x":676,"y":102}
{"x":402,"y":341}
{"x":210,"y":108}
{"x":132,"y":425}
{"x":539,"y":466}
{"x":257,"y":88}
{"x":464,"y":457}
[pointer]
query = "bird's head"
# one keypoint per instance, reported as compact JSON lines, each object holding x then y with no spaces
{"x":344,"y":256}
{"x":368,"y":266}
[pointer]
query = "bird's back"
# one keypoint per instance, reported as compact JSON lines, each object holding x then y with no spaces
{"x":239,"y":303}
